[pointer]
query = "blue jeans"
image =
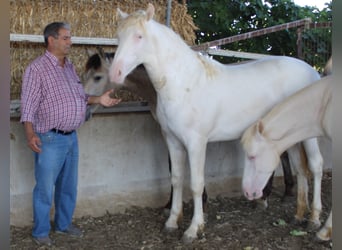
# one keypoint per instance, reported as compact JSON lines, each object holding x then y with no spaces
{"x":56,"y":173}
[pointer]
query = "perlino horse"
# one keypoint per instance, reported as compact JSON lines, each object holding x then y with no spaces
{"x":304,"y":115}
{"x":200,"y":100}
{"x":96,"y":81}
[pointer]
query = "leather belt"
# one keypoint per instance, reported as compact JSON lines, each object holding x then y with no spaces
{"x":61,"y":131}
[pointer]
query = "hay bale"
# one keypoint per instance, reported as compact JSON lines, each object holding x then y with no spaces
{"x":88,"y":18}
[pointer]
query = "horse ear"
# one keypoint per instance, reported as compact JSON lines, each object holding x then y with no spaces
{"x":260,"y":127}
{"x":90,"y":52}
{"x":120,"y":14}
{"x":100,"y":51}
{"x":150,"y":11}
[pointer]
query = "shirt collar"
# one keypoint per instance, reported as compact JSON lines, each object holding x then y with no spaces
{"x":54,"y":59}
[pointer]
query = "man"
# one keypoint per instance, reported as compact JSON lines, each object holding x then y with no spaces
{"x":53,"y":106}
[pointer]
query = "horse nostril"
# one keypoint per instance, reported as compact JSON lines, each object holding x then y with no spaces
{"x":119,"y":73}
{"x":254,"y":194}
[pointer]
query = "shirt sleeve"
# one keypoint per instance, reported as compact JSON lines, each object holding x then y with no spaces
{"x":30,"y":94}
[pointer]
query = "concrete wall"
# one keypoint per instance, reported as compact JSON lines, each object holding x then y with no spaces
{"x":123,"y":162}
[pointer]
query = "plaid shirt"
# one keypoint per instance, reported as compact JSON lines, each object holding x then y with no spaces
{"x":52,"y":96}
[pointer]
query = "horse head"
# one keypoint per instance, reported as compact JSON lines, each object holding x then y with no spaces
{"x":261,"y":159}
{"x":96,"y":80}
{"x":133,"y":43}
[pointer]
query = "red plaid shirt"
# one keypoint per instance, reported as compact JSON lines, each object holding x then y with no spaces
{"x":52,"y":96}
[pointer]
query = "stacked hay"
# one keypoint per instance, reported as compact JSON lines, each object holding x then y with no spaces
{"x":88,"y":18}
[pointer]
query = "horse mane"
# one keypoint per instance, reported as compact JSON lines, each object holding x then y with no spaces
{"x":257,"y":129}
{"x":248,"y":135}
{"x":140,"y":16}
{"x":134,"y":18}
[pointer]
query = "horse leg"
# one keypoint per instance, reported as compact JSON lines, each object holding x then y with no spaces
{"x":315,"y":161}
{"x":168,"y":205}
{"x":266,"y":192}
{"x":288,"y":180}
{"x":298,"y":161}
{"x":288,"y":177}
{"x":325,"y":233}
{"x":205,"y":200}
{"x":268,"y":188}
{"x":178,"y":159}
{"x":196,"y":153}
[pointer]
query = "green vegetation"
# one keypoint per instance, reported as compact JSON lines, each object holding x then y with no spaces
{"x":223,"y":18}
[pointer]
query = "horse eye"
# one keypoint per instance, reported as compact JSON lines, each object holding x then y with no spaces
{"x":97,"y":78}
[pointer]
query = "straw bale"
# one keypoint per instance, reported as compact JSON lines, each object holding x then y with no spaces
{"x":88,"y":18}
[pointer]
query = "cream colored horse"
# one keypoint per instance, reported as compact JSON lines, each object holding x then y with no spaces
{"x":200,"y":100}
{"x":96,"y":82}
{"x":304,"y":115}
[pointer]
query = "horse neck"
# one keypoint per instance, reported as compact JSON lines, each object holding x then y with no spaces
{"x":172,"y":56}
{"x":292,"y":136}
{"x":169,"y":42}
{"x":139,"y":82}
{"x":297,"y":119}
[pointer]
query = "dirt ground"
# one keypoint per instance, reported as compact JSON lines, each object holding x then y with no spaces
{"x":232,"y":223}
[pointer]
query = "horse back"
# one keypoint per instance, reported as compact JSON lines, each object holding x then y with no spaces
{"x":235,"y":96}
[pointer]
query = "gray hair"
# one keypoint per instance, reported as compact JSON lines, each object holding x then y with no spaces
{"x":52,"y":29}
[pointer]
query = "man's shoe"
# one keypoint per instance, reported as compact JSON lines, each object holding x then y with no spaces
{"x":43,"y":241}
{"x":71,"y":231}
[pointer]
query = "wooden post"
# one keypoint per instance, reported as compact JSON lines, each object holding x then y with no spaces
{"x":300,"y":43}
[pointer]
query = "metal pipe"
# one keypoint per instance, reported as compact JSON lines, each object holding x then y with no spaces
{"x":74,"y":39}
{"x":168,"y":13}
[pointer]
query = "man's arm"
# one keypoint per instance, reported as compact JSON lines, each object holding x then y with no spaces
{"x":104,"y":100}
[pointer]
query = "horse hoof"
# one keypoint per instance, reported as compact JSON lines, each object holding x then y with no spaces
{"x":323,"y":235}
{"x":260,"y":204}
{"x":166,"y":211}
{"x":300,"y":222}
{"x":188,"y":239}
{"x":168,"y":230}
{"x":313,"y":225}
{"x":263,"y":204}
